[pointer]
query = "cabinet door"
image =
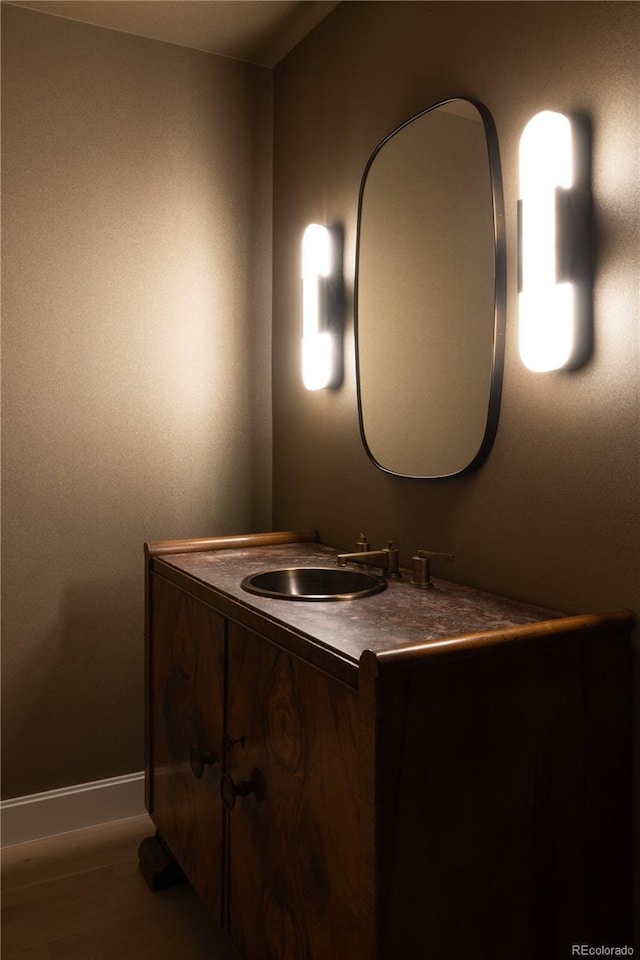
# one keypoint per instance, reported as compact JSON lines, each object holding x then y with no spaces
{"x":186,"y":729}
{"x":294,"y":839}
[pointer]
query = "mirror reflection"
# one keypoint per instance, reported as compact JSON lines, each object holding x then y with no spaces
{"x":430,"y":293}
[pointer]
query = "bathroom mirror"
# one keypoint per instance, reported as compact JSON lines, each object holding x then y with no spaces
{"x":430,"y":293}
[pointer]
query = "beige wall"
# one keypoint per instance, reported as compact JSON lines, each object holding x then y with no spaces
{"x":136,"y":362}
{"x":554,"y":515}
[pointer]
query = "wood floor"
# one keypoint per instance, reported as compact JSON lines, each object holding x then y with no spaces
{"x":80,"y":896}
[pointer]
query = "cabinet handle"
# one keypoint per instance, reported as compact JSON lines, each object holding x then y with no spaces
{"x":229,"y":790}
{"x":200,"y":760}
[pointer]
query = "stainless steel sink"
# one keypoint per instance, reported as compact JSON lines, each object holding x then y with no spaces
{"x":314,"y":583}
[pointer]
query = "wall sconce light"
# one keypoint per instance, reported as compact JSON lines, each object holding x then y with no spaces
{"x":322,"y":307}
{"x":554,"y":244}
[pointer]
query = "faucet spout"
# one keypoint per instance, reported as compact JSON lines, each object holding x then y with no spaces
{"x":388,"y":559}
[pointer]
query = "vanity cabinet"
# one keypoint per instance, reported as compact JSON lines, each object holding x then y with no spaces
{"x":429,"y":774}
{"x":186,"y":706}
{"x":294,"y":868}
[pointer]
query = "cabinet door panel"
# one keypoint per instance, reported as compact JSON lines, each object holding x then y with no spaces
{"x":187,"y":680}
{"x":294,"y":841}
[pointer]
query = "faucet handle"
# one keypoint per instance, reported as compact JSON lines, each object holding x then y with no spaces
{"x":362,"y":544}
{"x":421,"y":576}
{"x":393,"y":561}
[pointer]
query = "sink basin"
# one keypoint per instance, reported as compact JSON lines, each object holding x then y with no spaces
{"x":314,"y":583}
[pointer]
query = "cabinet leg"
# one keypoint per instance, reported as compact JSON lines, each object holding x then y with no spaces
{"x":157,"y":865}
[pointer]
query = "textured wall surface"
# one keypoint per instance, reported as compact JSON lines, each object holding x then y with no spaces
{"x":136,"y":362}
{"x":553,"y":516}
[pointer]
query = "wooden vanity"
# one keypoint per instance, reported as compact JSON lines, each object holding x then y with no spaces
{"x":417,"y":775}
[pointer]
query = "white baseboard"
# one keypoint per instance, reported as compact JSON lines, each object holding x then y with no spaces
{"x":71,"y":808}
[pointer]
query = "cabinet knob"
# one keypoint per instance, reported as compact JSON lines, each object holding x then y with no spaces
{"x":230,"y":790}
{"x":200,"y":760}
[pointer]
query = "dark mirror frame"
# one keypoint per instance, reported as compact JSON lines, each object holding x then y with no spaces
{"x":497,"y":359}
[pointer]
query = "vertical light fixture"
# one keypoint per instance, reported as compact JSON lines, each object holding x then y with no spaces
{"x":553,"y":245}
{"x":321,"y":307}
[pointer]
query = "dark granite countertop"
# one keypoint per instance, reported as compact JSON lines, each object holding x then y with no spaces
{"x":398,"y":617}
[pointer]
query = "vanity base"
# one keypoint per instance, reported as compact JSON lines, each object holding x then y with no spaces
{"x":157,"y":866}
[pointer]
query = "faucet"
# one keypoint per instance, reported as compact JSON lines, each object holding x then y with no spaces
{"x":388,"y":559}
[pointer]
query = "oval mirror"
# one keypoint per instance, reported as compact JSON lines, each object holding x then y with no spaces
{"x":430,"y":293}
